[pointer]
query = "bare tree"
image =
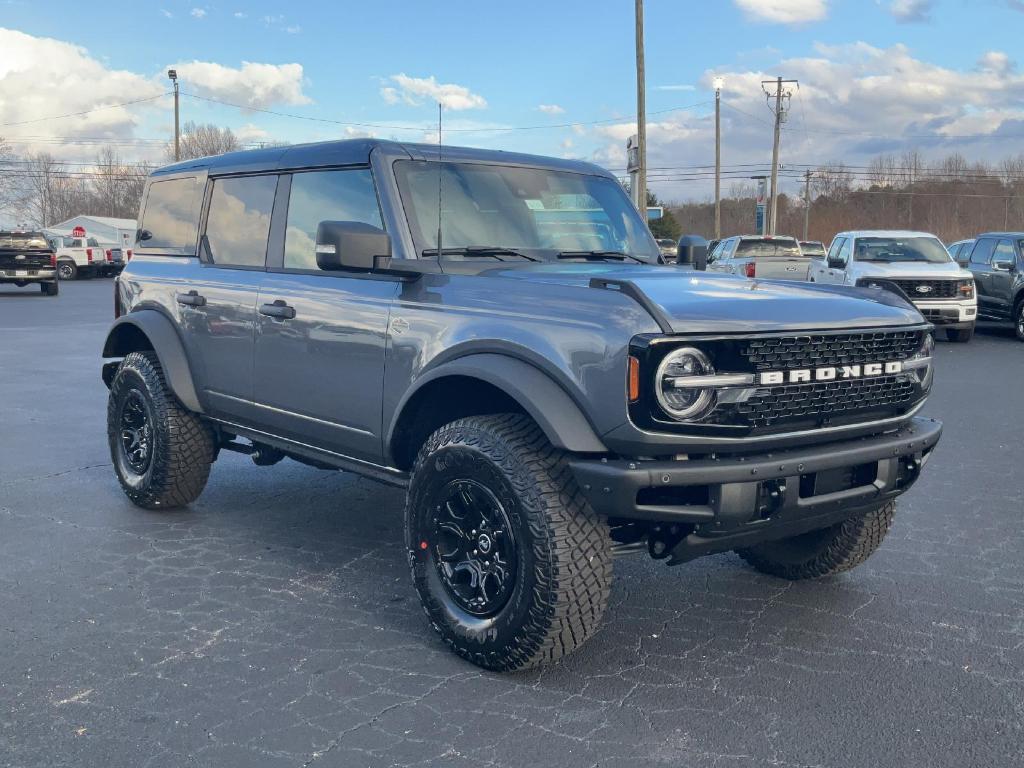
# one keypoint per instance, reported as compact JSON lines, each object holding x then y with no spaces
{"x":833,"y":180}
{"x":204,"y":140}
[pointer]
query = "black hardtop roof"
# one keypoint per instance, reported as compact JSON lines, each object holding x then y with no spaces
{"x":996,"y":234}
{"x":357,"y":152}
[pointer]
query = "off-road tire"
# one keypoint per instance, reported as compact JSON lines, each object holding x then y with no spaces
{"x":825,"y":552}
{"x":960,"y":335}
{"x":49,"y":289}
{"x":67,"y":270}
{"x":182,"y":444}
{"x":563,"y":553}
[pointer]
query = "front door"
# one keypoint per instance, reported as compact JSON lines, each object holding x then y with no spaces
{"x":980,"y":266}
{"x":1001,"y":277}
{"x":320,"y":344}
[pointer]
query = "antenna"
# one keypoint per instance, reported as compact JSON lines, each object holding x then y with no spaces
{"x":440,"y":177}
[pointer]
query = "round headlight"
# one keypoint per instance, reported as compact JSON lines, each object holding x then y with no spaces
{"x":684,"y":403}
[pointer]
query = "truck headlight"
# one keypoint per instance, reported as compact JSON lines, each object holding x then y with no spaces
{"x":920,"y":365}
{"x":965,"y":289}
{"x":678,"y":395}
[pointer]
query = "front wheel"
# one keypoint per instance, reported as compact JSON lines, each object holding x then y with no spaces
{"x":823,"y":552}
{"x":161,"y":451}
{"x":49,"y":289}
{"x":511,"y":564}
{"x":1018,"y":320}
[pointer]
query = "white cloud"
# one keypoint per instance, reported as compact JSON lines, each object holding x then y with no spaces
{"x":252,"y":84}
{"x":41,"y":77}
{"x":675,"y":88}
{"x":166,"y":13}
{"x":908,"y":11}
{"x":197,"y":13}
{"x":294,"y":29}
{"x":784,"y":11}
{"x":550,"y":109}
{"x":241,"y":15}
{"x":415,"y":90}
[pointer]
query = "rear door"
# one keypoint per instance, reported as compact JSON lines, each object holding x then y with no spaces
{"x":321,"y":338}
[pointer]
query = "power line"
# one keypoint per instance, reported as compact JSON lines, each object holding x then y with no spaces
{"x":83,"y":112}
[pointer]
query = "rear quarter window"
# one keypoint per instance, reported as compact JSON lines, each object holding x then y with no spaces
{"x":171,"y":215}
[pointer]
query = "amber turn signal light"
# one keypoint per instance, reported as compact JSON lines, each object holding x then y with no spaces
{"x":633,"y":380}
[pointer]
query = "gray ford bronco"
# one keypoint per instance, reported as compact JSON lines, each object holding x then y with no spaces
{"x":493,"y":332}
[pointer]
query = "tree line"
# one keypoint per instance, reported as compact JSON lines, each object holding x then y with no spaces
{"x":952,"y":198}
{"x":38,"y":190}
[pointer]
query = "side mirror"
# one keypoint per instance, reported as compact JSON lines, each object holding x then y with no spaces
{"x":962,"y":263}
{"x":143,"y":235}
{"x":1004,"y":266}
{"x":692,"y":250}
{"x":836,"y":264}
{"x":352,"y":245}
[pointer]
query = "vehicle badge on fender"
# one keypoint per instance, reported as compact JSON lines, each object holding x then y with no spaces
{"x":831,"y":373}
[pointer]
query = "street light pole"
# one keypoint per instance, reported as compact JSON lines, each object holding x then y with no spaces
{"x":718,"y":158}
{"x":807,"y":202}
{"x":641,"y":114}
{"x":173,"y":75}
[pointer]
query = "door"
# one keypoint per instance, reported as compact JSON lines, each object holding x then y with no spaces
{"x":980,"y":265}
{"x":834,"y":266}
{"x":319,"y":364}
{"x":722,"y":255}
{"x":1001,"y":277}
{"x":218,"y":308}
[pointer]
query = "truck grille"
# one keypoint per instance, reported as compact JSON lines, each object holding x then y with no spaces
{"x":921,"y":290}
{"x":832,"y":399}
{"x":815,"y":351}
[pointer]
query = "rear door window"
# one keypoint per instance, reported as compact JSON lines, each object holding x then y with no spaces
{"x":171,"y":215}
{"x":1004,"y":252}
{"x":238,"y":224}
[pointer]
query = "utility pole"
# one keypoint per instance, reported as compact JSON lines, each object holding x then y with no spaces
{"x":173,"y":74}
{"x":807,"y":202}
{"x":641,"y":114}
{"x":781,"y":96}
{"x":718,"y":157}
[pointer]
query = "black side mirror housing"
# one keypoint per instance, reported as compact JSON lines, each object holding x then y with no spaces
{"x":692,"y":250}
{"x":836,"y":264}
{"x":353,"y":246}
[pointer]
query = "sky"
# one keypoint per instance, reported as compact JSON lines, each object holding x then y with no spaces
{"x":552,"y":78}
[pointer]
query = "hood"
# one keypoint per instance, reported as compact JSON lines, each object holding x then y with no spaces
{"x":700,"y":302}
{"x":914,"y":269}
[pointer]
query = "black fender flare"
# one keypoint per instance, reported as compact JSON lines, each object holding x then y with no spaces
{"x":555,"y":412}
{"x":166,"y":343}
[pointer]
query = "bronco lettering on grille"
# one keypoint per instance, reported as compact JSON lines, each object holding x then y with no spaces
{"x":830,"y":373}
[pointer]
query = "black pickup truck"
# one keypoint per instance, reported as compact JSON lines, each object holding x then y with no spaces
{"x":26,"y":257}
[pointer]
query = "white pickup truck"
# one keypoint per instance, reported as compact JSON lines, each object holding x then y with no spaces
{"x":86,"y":257}
{"x":762,"y":256}
{"x":916,"y":263}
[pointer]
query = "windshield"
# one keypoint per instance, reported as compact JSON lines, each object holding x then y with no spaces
{"x":23,"y":240}
{"x":520,"y":209}
{"x":759,"y":249}
{"x":892,"y":249}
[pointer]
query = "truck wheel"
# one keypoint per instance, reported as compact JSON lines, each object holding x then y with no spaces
{"x":1018,"y":320}
{"x":960,"y":335}
{"x":825,"y":552}
{"x":161,"y":451}
{"x":49,"y":289}
{"x":512,"y":566}
{"x":67,"y":270}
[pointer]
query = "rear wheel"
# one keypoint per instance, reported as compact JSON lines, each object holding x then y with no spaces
{"x":67,"y":270}
{"x":512,"y":566}
{"x":161,"y":451}
{"x":960,"y":335}
{"x":824,"y":552}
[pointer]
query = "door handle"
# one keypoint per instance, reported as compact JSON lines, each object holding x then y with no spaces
{"x":191,"y":299}
{"x":278,"y":309}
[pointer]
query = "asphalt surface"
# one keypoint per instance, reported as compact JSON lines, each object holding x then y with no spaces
{"x":273,"y":623}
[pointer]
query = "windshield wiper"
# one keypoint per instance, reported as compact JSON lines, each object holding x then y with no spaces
{"x":481,"y":251}
{"x":599,"y":255}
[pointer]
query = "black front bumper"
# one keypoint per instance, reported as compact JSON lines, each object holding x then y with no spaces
{"x":730,"y":502}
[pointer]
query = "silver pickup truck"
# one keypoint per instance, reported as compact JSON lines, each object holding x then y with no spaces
{"x":760,"y":256}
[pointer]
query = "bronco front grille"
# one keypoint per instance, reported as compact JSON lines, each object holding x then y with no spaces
{"x":824,"y":400}
{"x":922,"y":290}
{"x":814,"y":351}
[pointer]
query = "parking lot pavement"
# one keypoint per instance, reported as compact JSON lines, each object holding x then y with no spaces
{"x":273,"y":623}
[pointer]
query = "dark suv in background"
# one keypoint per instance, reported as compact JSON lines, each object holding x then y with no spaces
{"x":998,"y":268}
{"x":493,"y":333}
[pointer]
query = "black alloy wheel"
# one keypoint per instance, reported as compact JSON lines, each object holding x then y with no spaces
{"x":474,"y":548}
{"x":136,"y":427}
